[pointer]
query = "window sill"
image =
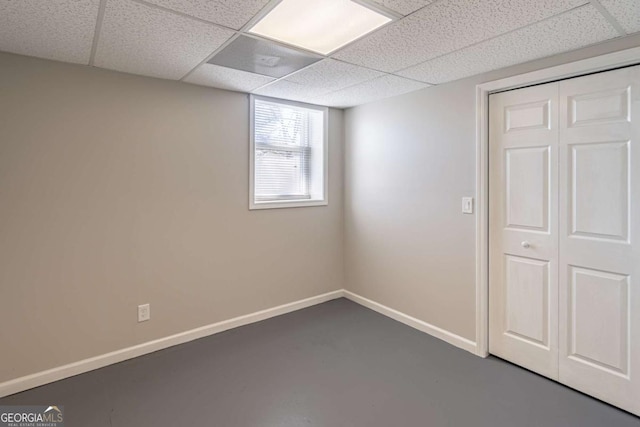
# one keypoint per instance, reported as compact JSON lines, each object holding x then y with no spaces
{"x":276,"y":204}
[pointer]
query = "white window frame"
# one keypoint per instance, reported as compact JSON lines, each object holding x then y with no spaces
{"x":323,"y":200}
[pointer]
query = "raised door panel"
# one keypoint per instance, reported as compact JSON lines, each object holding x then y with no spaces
{"x":527,"y":116}
{"x":527,"y":188}
{"x":527,"y":302}
{"x":599,"y":319}
{"x":599,"y":107}
{"x":599,"y":190}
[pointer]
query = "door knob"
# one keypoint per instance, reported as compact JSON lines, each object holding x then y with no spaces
{"x":526,"y":244}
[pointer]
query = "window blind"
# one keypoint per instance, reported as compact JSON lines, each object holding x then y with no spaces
{"x":283,"y":141}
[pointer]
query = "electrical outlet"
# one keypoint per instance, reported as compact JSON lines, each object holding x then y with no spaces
{"x":144,"y":312}
{"x":467,"y":205}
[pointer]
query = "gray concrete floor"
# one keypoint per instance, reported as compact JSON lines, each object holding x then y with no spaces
{"x":335,"y":364}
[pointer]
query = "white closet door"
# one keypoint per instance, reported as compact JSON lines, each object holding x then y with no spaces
{"x":600,"y":236}
{"x":523,"y":225}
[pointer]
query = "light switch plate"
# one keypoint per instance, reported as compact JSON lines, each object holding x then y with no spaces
{"x":467,"y":205}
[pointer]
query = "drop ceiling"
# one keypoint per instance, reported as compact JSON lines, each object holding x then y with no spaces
{"x":428,"y":42}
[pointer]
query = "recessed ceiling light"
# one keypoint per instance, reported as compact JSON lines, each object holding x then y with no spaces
{"x":321,"y":26}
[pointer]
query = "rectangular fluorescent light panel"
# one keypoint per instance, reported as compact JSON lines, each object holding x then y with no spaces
{"x":320,"y":26}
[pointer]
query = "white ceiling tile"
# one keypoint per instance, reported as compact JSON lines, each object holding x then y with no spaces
{"x":230,"y":13}
{"x":143,"y":40}
{"x":372,"y":90}
{"x":444,"y":27}
{"x":330,"y":75}
{"x":404,"y":7}
{"x":284,"y":89}
{"x":572,"y":30}
{"x":319,"y":79}
{"x":227,"y":78}
{"x":626,"y":12}
{"x":54,"y":29}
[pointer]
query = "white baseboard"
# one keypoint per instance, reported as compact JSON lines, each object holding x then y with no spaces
{"x":40,"y":378}
{"x":444,"y":335}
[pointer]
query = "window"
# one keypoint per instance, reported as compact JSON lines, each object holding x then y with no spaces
{"x":288,"y":154}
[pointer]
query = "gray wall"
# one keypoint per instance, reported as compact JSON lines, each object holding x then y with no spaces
{"x":409,"y":160}
{"x":118,"y":190}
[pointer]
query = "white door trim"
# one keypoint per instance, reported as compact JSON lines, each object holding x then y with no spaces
{"x":586,"y":66}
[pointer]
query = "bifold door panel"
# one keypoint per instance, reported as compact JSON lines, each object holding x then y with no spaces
{"x":600,"y":236}
{"x":524,"y":254}
{"x":565,"y":232}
